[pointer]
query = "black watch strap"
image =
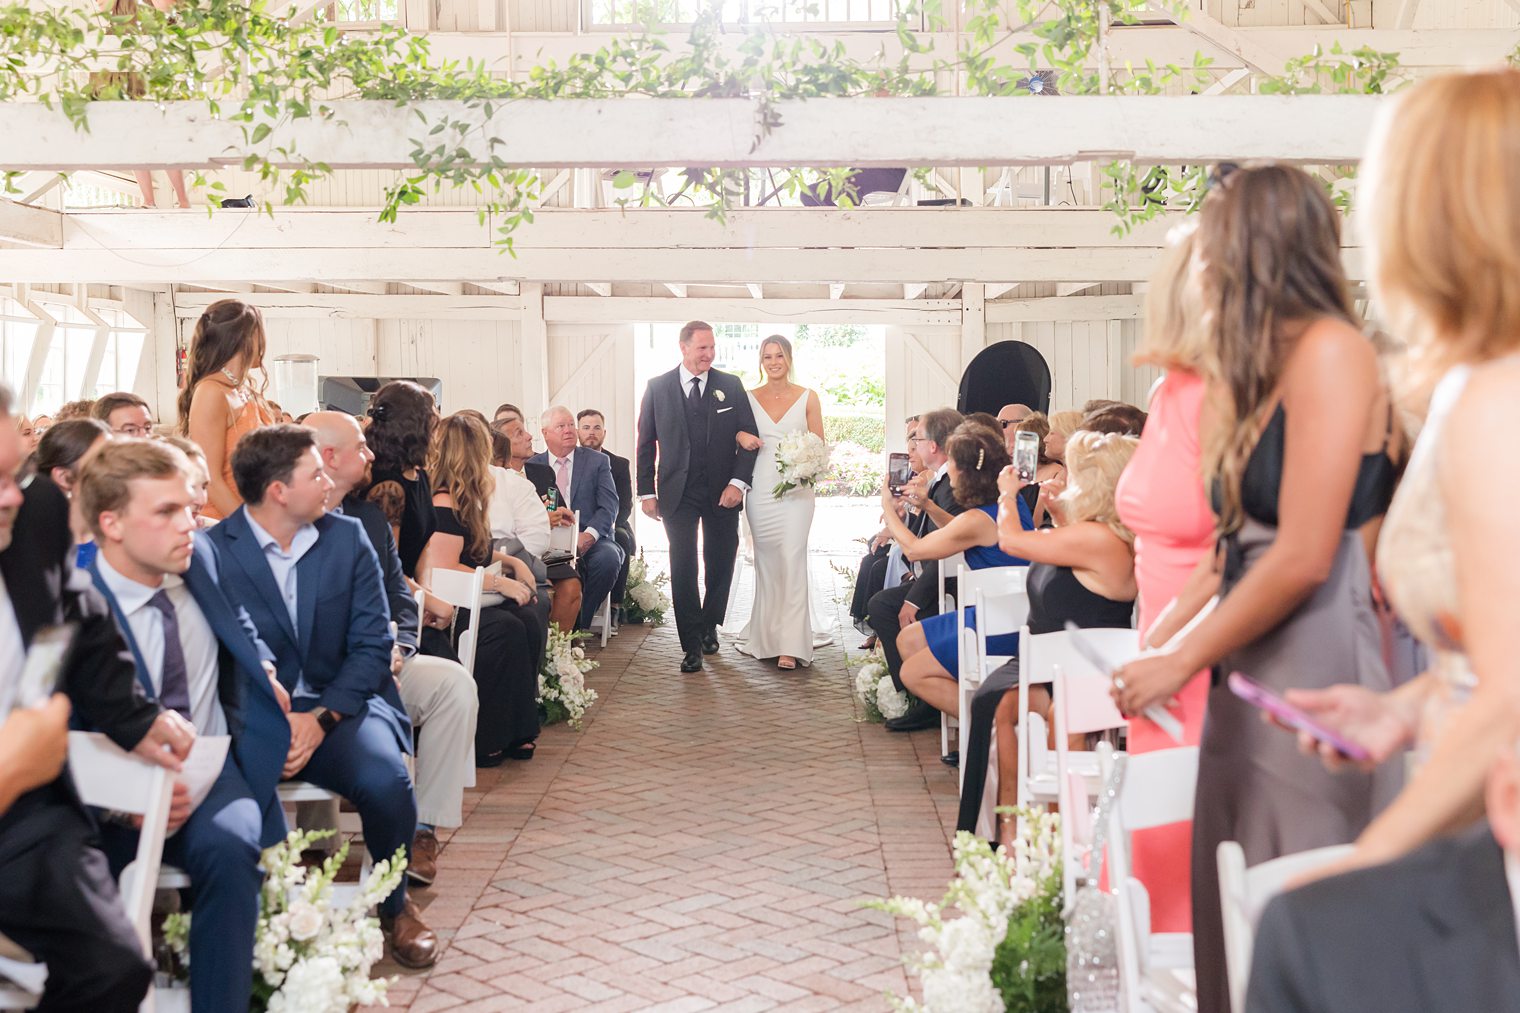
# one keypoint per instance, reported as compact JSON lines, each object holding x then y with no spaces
{"x":326,"y":719}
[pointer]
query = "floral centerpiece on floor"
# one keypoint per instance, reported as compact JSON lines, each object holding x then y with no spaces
{"x":801,"y":459}
{"x":877,"y":696}
{"x":1007,"y":950}
{"x":645,"y":600}
{"x":562,"y":690}
{"x":310,"y":956}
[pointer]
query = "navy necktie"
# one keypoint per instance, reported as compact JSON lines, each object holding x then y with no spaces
{"x":174,"y":681}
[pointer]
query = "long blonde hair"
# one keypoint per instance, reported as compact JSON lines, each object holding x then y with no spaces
{"x":1439,"y":210}
{"x":1172,"y":338}
{"x":1094,"y":462}
{"x":460,"y":466}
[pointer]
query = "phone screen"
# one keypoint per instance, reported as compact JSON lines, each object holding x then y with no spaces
{"x":1026,"y":455}
{"x":899,"y":471}
{"x":44,"y":665}
{"x":1257,"y":695}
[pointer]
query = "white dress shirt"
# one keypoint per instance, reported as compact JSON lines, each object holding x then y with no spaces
{"x":516,"y":511}
{"x":1512,"y":876}
{"x":12,"y":652}
{"x":282,"y":565}
{"x":196,"y":641}
{"x":686,"y":377}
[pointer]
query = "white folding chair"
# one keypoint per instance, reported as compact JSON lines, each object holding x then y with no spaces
{"x":463,"y":590}
{"x":997,"y":593}
{"x":567,"y":539}
{"x":1243,"y":895}
{"x":1155,"y":968}
{"x":1041,"y":656}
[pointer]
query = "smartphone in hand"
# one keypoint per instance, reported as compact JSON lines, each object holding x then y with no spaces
{"x":1026,"y":455}
{"x":1257,"y":695}
{"x":899,"y":472}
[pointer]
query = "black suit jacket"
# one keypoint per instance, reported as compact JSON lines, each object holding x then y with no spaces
{"x":542,"y":477}
{"x":398,"y":593}
{"x":926,"y":585}
{"x":664,"y":448}
{"x":622,"y":477}
{"x":1433,"y":932}
{"x":98,"y":677}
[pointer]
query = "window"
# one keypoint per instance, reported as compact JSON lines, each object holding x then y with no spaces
{"x":64,"y":372}
{"x":815,"y":13}
{"x":17,"y":329}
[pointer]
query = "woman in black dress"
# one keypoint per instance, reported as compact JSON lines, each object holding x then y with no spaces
{"x":509,"y":642}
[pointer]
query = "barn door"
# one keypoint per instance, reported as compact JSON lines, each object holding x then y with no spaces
{"x":591,"y":366}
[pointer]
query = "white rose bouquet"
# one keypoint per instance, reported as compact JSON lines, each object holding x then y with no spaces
{"x":309,"y":956}
{"x":874,"y":691}
{"x":645,"y":600}
{"x":801,"y":459}
{"x":562,"y":689}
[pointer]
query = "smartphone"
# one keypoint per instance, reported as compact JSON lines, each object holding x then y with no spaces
{"x":43,"y":669}
{"x":899,"y":471}
{"x":1257,"y":695}
{"x":1026,"y":455}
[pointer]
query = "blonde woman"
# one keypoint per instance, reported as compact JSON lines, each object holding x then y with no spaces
{"x":782,"y":623}
{"x":1081,"y":572}
{"x":1440,"y":211}
{"x":1062,"y":425}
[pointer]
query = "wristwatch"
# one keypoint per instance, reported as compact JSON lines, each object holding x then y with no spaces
{"x":326,"y":719}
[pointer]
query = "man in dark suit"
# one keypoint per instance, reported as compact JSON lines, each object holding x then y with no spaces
{"x":198,"y":655}
{"x":591,"y":431}
{"x":1432,"y":932}
{"x":894,"y":608}
{"x":584,"y":480}
{"x":509,"y":422}
{"x":57,"y":897}
{"x":311,"y":583}
{"x":692,"y":474}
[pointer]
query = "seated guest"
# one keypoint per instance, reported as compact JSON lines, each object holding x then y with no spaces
{"x":81,"y":409}
{"x":124,"y":413}
{"x":591,"y":431}
{"x":57,"y":460}
{"x":40,"y":425}
{"x":30,"y":434}
{"x":1009,"y":416}
{"x":1061,"y":426}
{"x":438,"y":693}
{"x":311,"y":583}
{"x":1082,"y":572}
{"x":34,"y":742}
{"x":198,"y":655}
{"x":563,"y":578}
{"x":874,"y":565}
{"x":930,"y":651}
{"x":520,"y":528}
{"x":900,"y":605}
{"x":58,"y":899}
{"x":1048,"y":468}
{"x":201,"y":481}
{"x":584,"y":480}
{"x":509,"y":642}
{"x":1432,"y":931}
{"x":1124,"y":419}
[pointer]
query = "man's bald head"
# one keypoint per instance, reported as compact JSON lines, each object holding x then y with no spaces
{"x":1008,"y":416}
{"x":344,"y":451}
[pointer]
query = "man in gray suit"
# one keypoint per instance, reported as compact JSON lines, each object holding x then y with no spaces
{"x":1433,"y":932}
{"x":692,"y":474}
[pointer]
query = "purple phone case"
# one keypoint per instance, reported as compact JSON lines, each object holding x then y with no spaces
{"x":1257,"y":695}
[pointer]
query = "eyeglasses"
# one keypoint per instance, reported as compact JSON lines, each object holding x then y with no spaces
{"x":1005,"y":423}
{"x":918,"y":439}
{"x":132,"y":429}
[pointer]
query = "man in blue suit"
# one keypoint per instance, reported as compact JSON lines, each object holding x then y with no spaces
{"x":584,"y":478}
{"x":311,"y":583}
{"x":198,"y":655}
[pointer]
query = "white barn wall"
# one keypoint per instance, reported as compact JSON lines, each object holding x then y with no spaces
{"x":477,"y":360}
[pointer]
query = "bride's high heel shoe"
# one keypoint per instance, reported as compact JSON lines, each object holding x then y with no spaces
{"x":785,"y":663}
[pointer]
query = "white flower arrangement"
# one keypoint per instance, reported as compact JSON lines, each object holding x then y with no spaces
{"x":562,"y":689}
{"x":309,"y":956}
{"x":645,"y":600}
{"x":801,"y":459}
{"x":876,"y":694}
{"x":963,"y":969}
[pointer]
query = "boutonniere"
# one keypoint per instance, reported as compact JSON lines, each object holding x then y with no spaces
{"x":719,"y":395}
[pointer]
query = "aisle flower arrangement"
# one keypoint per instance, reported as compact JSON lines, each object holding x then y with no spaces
{"x":878,"y":697}
{"x":1007,"y":949}
{"x":310,"y":956}
{"x":645,"y":600}
{"x":802,"y":459}
{"x":562,"y":691}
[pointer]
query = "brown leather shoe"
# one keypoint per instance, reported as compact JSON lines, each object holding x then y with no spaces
{"x":413,"y":944}
{"x":422,"y":869}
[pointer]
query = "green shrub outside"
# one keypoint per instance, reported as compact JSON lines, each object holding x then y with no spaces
{"x":867,"y":431}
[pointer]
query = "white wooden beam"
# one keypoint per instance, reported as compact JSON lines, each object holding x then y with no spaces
{"x":720,"y":132}
{"x":25,"y":225}
{"x":836,"y":291}
{"x":328,"y":305}
{"x":533,"y":354}
{"x":1067,"y":288}
{"x":1227,"y":82}
{"x":601,"y":288}
{"x":1000,"y":289}
{"x":1069,"y":308}
{"x":441,"y":287}
{"x":973,"y":321}
{"x":1231,"y":41}
{"x":914,"y":290}
{"x":42,"y":343}
{"x":677,"y":290}
{"x":619,"y":309}
{"x":756,"y":291}
{"x":1408,"y":9}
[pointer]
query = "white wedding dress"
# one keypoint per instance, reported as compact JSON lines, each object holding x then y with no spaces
{"x":782,"y":619}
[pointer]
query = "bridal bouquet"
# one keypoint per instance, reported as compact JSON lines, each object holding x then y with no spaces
{"x":1007,"y":950}
{"x":878,"y":697}
{"x":801,"y":459}
{"x":309,"y":956}
{"x":562,"y":689}
{"x":645,"y":600}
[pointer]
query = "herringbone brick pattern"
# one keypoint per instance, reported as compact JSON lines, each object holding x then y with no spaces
{"x":704,"y":843}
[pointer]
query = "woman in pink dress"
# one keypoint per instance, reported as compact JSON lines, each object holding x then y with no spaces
{"x":1161,"y":499}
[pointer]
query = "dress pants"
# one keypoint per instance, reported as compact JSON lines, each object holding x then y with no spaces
{"x":599,"y":567}
{"x":881,"y":614}
{"x":359,"y":759}
{"x":440,"y":699}
{"x":870,"y":578}
{"x":218,"y":848}
{"x":698,"y":612}
{"x":630,"y":547}
{"x":59,"y":901}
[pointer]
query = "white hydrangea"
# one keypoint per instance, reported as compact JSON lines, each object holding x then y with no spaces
{"x":889,"y":700}
{"x":314,"y":985}
{"x":801,"y":459}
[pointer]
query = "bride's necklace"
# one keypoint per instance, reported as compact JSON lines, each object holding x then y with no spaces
{"x":776,"y":393}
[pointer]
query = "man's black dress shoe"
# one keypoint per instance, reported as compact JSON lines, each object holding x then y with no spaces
{"x":692,"y":662}
{"x":951,"y":759}
{"x":710,"y":642}
{"x":920,"y":715}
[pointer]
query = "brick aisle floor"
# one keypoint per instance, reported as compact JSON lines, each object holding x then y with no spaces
{"x":704,"y":843}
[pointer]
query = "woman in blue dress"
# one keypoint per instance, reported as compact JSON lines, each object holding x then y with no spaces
{"x":930,"y":651}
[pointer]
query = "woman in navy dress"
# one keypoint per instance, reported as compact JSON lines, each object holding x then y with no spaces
{"x":930,"y":651}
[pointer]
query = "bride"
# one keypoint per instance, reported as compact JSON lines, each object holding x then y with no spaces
{"x":781,"y":623}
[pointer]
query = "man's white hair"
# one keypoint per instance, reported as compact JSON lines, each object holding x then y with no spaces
{"x":558,"y":409}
